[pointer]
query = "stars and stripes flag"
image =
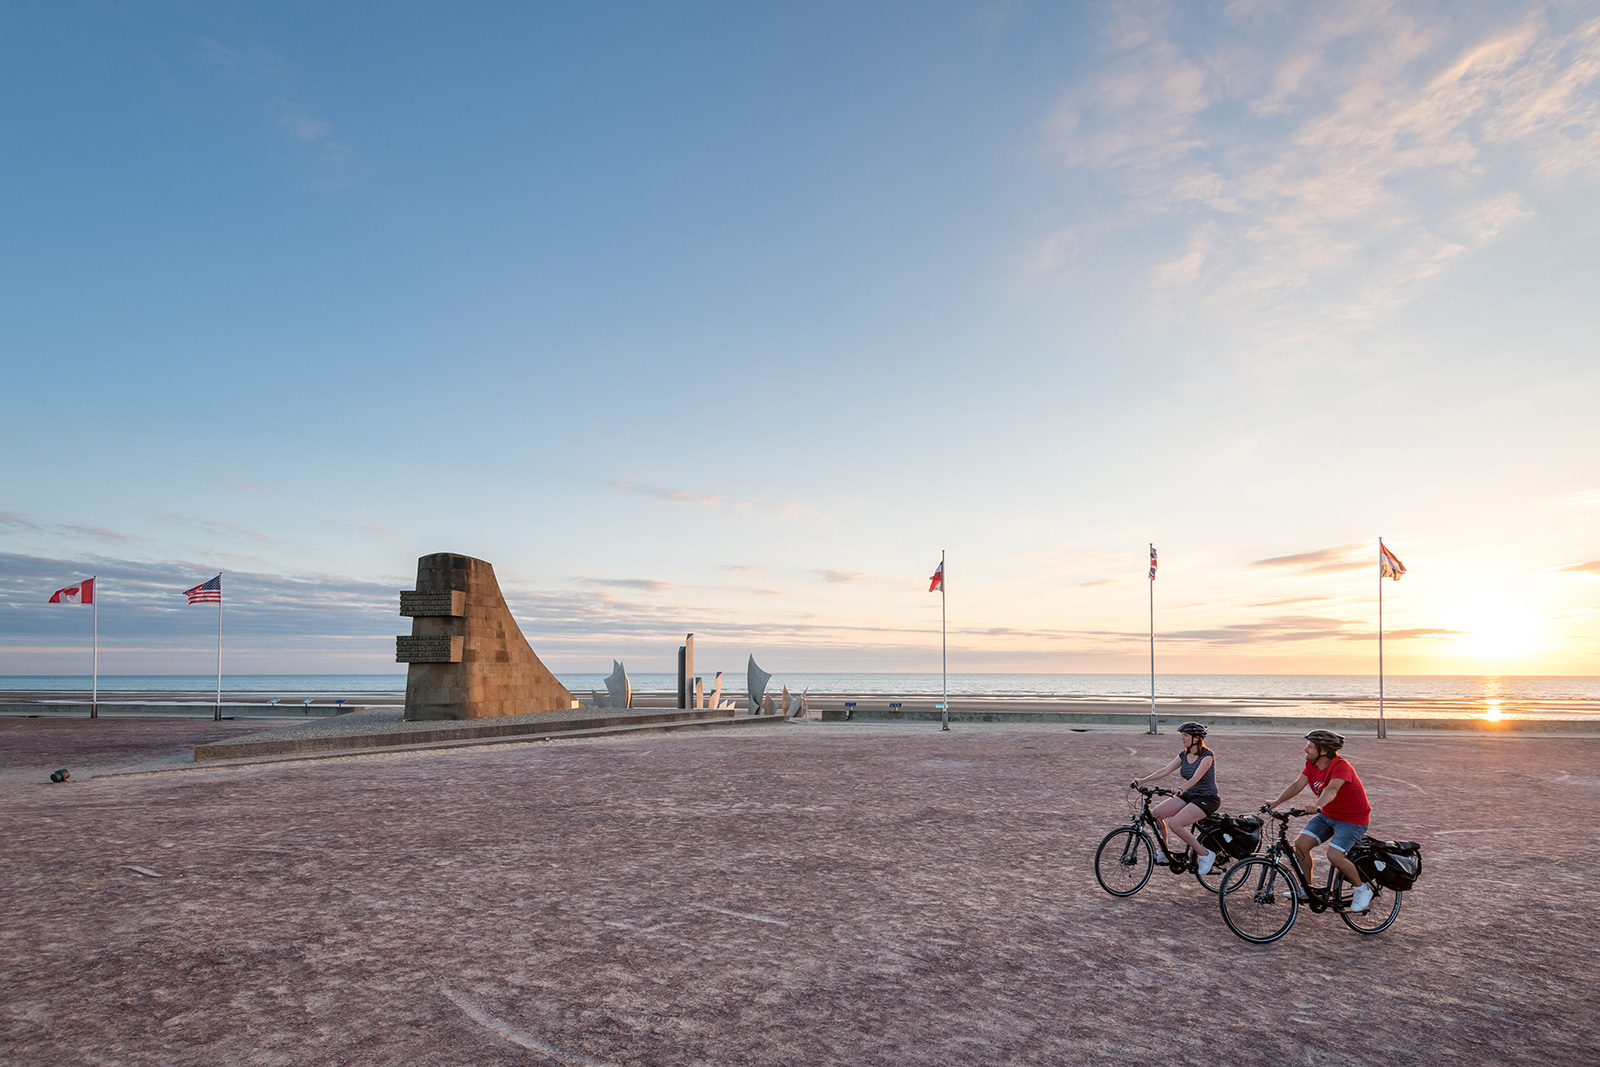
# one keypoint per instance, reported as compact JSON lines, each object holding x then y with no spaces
{"x":206,"y":592}
{"x":1389,"y":565}
{"x":936,"y":583}
{"x":82,"y":593}
{"x":1152,"y":563}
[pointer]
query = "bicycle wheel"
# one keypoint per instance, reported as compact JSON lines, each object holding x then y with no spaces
{"x":1219,"y":870}
{"x":1253,"y":901}
{"x":1380,"y":914}
{"x":1124,"y":861}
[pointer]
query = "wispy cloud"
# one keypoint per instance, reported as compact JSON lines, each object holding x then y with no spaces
{"x":1097,"y":581}
{"x":714,"y":502}
{"x":675,"y":496}
{"x":1592,"y":567}
{"x":138,"y":596}
{"x":839,"y":577}
{"x":1332,"y":560}
{"x":11,"y":520}
{"x":1294,"y":629}
{"x":1326,"y":158}
{"x":645,"y":585}
{"x":225,"y":529}
{"x":1420,"y":631}
{"x":273,"y":81}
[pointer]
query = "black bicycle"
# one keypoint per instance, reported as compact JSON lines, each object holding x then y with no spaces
{"x":1127,"y":855}
{"x":1261,"y":896}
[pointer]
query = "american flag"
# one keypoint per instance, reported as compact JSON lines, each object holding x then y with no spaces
{"x":206,"y":592}
{"x":1152,"y":563}
{"x":1389,"y":565}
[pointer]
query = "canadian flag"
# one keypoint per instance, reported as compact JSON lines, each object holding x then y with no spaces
{"x":82,"y":593}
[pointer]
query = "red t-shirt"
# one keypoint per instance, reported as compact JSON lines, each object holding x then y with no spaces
{"x":1350,"y":803}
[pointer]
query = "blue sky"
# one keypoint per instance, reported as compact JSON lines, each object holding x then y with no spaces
{"x":729,"y":318}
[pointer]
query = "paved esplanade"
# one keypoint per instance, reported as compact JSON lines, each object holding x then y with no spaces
{"x":796,"y":894}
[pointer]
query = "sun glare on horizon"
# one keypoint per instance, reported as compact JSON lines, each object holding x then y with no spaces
{"x":1496,"y":632}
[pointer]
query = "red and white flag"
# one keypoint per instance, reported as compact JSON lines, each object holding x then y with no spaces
{"x":206,"y":592}
{"x":936,"y":583}
{"x":82,"y":593}
{"x":1389,"y":565}
{"x":1152,"y":563}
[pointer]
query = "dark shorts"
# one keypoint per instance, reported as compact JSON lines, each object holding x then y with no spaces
{"x":1206,"y":803}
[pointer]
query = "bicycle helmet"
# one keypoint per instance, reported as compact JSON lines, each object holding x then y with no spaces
{"x":1326,"y":739}
{"x":1196,"y":728}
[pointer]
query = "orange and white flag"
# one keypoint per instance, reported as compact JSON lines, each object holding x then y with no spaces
{"x":1389,"y":565}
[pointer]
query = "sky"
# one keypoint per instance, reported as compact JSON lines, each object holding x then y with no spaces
{"x":731,"y":318}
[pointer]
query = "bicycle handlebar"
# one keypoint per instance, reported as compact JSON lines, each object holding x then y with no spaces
{"x":1151,"y":790}
{"x":1284,"y":816}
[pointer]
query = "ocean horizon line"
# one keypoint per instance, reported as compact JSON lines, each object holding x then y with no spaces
{"x":1485,"y":687}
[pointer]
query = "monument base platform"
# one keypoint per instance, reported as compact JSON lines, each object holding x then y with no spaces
{"x":379,"y":729}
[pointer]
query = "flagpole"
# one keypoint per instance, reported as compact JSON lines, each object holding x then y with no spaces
{"x":1383,"y":730}
{"x":218,"y":716}
{"x":944,"y":651}
{"x":94,"y":699}
{"x":1153,"y":646}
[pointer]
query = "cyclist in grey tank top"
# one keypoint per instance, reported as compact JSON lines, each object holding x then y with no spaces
{"x":1198,"y":765}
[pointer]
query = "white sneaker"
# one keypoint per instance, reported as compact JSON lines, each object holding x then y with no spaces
{"x":1161,"y":855}
{"x":1205,"y":863}
{"x":1361,"y":898}
{"x":1294,"y":891}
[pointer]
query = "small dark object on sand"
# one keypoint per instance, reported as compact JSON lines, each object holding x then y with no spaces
{"x":60,"y":776}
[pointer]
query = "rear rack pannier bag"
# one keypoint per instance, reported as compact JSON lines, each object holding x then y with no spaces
{"x":1392,"y":864}
{"x":1237,"y":835}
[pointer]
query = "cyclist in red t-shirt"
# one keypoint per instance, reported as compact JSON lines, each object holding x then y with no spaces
{"x":1343,"y":812}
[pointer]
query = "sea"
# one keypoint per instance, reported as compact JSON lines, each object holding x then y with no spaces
{"x":1428,"y":687}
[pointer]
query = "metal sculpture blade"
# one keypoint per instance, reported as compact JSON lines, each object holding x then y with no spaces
{"x":618,"y":688}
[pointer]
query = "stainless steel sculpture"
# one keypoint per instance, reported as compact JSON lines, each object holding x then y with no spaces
{"x":755,"y":684}
{"x":618,"y":688}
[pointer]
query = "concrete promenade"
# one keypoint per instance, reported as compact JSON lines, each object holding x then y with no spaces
{"x":808,"y":892}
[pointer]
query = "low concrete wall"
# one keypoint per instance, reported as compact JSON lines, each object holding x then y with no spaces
{"x":466,"y":731}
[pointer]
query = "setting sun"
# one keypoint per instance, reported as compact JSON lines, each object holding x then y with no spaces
{"x":1496,"y":632}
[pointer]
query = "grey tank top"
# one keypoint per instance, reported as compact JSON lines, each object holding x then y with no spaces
{"x":1207,"y":785}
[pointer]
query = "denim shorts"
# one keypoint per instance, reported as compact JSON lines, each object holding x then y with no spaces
{"x":1344,"y":834}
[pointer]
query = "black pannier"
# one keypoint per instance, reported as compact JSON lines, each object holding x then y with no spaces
{"x":1237,"y":835}
{"x":1392,"y":864}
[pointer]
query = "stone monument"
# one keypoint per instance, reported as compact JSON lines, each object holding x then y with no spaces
{"x":466,"y":654}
